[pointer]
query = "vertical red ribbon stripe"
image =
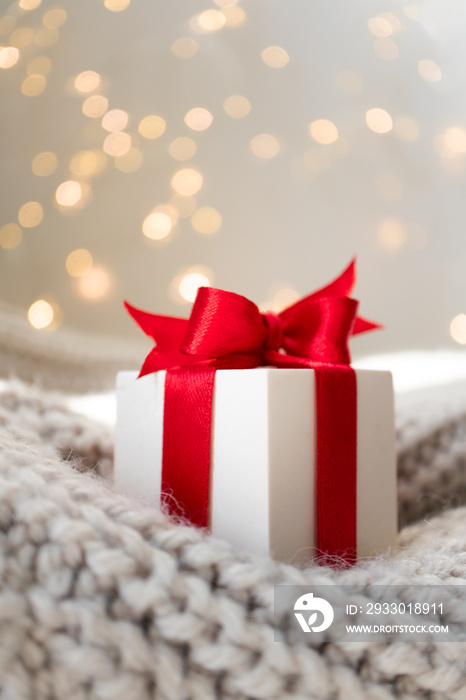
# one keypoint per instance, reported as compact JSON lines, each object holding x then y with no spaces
{"x":336,"y":463}
{"x":187,"y":421}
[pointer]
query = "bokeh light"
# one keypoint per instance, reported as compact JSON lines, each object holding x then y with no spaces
{"x":323,"y":131}
{"x":265,"y":146}
{"x":190,"y":283}
{"x":117,"y":143}
{"x":182,"y":148}
{"x":95,"y":106}
{"x":46,"y":37}
{"x":115,"y":120}
{"x":44,"y":163}
{"x":237,"y":106}
{"x":9,"y":56}
{"x":208,"y":21}
{"x":455,"y":139}
{"x":380,"y":26}
{"x":29,"y":4}
{"x":30,"y":214}
{"x":429,"y":70}
{"x":152,"y":126}
{"x":40,"y":314}
{"x":458,"y":329}
{"x":10,"y":236}
{"x":79,"y":262}
{"x":234,"y":16}
{"x":53,"y":19}
{"x":187,"y":181}
{"x":33,"y":85}
{"x":206,"y":220}
{"x":68,"y":193}
{"x":185,"y":206}
{"x":88,"y":163}
{"x":95,"y":286}
{"x":116,"y":5}
{"x":160,"y":222}
{"x":391,"y":234}
{"x":275,"y":56}
{"x":40,"y":65}
{"x":87,"y":81}
{"x":198,"y":119}
{"x":21,"y":37}
{"x":379,"y":120}
{"x":185,"y":47}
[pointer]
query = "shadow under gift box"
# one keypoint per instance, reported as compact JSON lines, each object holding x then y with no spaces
{"x":262,"y":490}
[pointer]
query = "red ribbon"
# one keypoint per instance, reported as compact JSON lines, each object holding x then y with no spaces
{"x":227,"y":331}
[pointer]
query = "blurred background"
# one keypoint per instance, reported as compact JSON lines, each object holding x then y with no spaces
{"x":149,"y":147}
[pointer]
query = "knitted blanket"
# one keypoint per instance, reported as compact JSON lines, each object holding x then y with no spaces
{"x":103,"y":597}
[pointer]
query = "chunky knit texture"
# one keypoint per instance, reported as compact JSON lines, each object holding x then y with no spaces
{"x":102,"y":597}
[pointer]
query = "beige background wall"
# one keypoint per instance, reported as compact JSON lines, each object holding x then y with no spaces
{"x":289,"y":221}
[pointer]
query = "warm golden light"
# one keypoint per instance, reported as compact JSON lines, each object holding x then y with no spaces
{"x":129,"y":162}
{"x":455,"y":139}
{"x":237,"y":106}
{"x":53,"y":19}
{"x":79,"y":262}
{"x":182,"y":148}
{"x":391,"y":234}
{"x":40,"y":65}
{"x":198,"y":119}
{"x":350,"y":80}
{"x":380,"y":26}
{"x":33,"y":85}
{"x":187,"y":181}
{"x":30,"y":214}
{"x":117,"y":143}
{"x":209,"y":21}
{"x":190,"y":283}
{"x":8,"y":56}
{"x":386,"y":49}
{"x":379,"y":120}
{"x":157,"y":226}
{"x":68,"y":193}
{"x":458,"y":329}
{"x":234,"y":16}
{"x":29,"y":4}
{"x":95,"y":285}
{"x":46,"y":37}
{"x":10,"y":236}
{"x":264,"y":146}
{"x":44,"y":163}
{"x":429,"y":70}
{"x":88,"y":163}
{"x":206,"y":220}
{"x":40,"y":314}
{"x":21,"y":37}
{"x":185,"y":47}
{"x":389,"y":186}
{"x":184,"y":206}
{"x":323,"y":131}
{"x":115,"y":120}
{"x":152,"y":126}
{"x":87,"y":81}
{"x":116,"y":5}
{"x":95,"y":106}
{"x":275,"y":56}
{"x":407,"y":129}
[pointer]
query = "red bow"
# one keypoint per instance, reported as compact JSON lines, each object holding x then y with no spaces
{"x":227,"y":331}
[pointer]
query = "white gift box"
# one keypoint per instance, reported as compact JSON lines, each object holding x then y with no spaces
{"x":262,"y":490}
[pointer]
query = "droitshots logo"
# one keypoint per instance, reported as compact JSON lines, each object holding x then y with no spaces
{"x":312,"y":607}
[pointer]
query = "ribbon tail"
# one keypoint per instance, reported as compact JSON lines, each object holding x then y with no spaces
{"x":186,"y":443}
{"x":363,"y":325}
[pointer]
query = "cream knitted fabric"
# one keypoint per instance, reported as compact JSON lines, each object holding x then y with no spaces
{"x":104,"y":598}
